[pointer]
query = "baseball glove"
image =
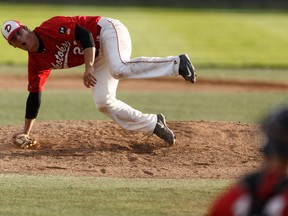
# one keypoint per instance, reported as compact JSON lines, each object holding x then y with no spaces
{"x":24,"y":141}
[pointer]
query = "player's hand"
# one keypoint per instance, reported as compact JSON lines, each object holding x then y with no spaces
{"x":88,"y":79}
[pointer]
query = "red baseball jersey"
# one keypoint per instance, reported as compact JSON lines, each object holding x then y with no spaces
{"x":62,"y":50}
{"x":269,"y":196}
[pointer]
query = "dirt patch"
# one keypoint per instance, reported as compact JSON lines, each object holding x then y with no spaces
{"x":98,"y":148}
{"x":69,"y":81}
{"x":101,"y":148}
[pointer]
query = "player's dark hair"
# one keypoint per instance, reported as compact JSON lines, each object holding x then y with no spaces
{"x":275,"y":127}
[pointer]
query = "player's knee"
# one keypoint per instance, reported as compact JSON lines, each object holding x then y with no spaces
{"x":102,"y":108}
{"x":104,"y":105}
{"x":101,"y":104}
{"x":117,"y":72}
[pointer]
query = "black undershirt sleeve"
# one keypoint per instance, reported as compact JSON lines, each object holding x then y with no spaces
{"x":32,"y":105}
{"x":85,"y":37}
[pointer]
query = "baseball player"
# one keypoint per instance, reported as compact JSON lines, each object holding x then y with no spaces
{"x":103,"y":45}
{"x":264,"y":192}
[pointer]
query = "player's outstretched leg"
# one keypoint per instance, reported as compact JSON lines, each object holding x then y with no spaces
{"x":162,"y":131}
{"x":186,"y":69}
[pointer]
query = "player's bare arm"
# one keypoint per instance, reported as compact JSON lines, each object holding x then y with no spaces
{"x":88,"y":79}
{"x":87,"y":42}
{"x":22,"y":138}
{"x":32,"y":108}
{"x":28,"y":125}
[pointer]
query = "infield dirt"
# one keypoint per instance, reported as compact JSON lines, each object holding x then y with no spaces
{"x":100,"y":148}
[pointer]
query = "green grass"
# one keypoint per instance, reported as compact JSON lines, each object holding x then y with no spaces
{"x":216,"y":38}
{"x":79,"y":105}
{"x":69,"y":195}
{"x":213,"y":38}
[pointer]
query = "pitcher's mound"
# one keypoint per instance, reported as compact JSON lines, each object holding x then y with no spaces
{"x":101,"y":148}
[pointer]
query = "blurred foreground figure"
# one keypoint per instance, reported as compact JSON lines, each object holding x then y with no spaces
{"x":264,"y":192}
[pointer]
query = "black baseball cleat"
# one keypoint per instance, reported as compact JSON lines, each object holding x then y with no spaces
{"x":162,"y":131}
{"x":186,"y":69}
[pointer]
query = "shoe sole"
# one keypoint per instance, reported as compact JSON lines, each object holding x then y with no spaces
{"x":163,"y":120}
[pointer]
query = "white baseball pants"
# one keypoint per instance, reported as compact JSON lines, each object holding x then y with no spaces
{"x":114,"y":63}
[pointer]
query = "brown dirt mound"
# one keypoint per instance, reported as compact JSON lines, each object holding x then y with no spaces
{"x":101,"y":148}
{"x":98,"y":148}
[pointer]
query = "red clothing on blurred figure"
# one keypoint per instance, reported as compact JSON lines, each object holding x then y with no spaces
{"x":261,"y":193}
